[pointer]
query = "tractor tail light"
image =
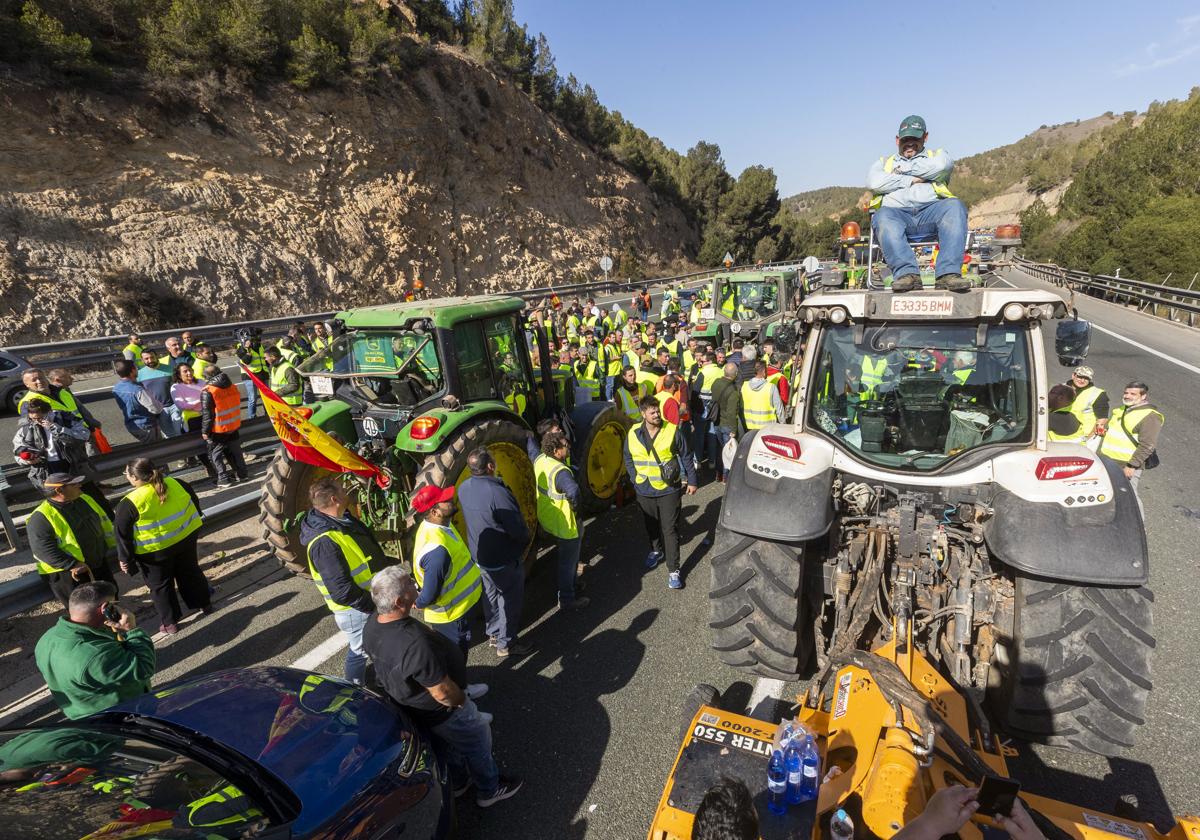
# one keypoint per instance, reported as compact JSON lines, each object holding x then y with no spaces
{"x":1052,"y":469}
{"x":786,"y":447}
{"x":423,"y":427}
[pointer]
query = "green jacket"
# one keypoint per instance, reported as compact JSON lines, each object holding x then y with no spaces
{"x":89,"y":670}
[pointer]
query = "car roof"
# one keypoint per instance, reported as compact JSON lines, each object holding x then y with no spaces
{"x":290,"y":722}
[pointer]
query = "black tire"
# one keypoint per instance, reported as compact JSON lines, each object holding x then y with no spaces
{"x":702,"y":695}
{"x":1079,"y":671}
{"x":448,"y":465}
{"x":285,"y":496}
{"x":757,"y":615}
{"x":601,"y":424}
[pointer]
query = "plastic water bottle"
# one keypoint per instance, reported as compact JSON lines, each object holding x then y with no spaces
{"x":793,"y":758}
{"x":777,"y":784}
{"x":841,"y":827}
{"x":810,"y":760}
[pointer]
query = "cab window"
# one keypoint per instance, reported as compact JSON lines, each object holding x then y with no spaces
{"x":474,"y":369}
{"x":506,"y":347}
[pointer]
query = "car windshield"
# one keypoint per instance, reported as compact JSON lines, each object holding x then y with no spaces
{"x":74,"y":781}
{"x":395,"y":367}
{"x":912,"y":396}
{"x":748,"y":301}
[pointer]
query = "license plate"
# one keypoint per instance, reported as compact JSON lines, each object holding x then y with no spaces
{"x":905,"y":305}
{"x":322,"y":385}
{"x":708,"y":314}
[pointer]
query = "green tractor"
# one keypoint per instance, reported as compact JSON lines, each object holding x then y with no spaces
{"x":751,"y":305}
{"x":414,"y":387}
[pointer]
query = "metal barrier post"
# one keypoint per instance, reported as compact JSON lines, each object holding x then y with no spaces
{"x":10,"y":528}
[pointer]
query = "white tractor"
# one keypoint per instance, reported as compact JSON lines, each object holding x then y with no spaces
{"x":916,"y":487}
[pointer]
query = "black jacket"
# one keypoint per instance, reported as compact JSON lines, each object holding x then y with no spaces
{"x":331,"y":564}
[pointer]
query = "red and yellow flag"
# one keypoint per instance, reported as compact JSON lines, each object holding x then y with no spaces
{"x":307,"y":443}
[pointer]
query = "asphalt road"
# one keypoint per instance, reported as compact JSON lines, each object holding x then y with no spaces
{"x":592,"y":720}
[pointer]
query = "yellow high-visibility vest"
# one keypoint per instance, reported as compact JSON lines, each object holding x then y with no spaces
{"x":709,"y":374}
{"x":66,"y":537}
{"x":462,"y":588}
{"x":1083,"y":407}
{"x":279,"y":377}
{"x":1119,"y":445}
{"x":587,"y":375}
{"x":161,"y":525}
{"x":1079,"y":436}
{"x":646,"y":468}
{"x":136,"y":351}
{"x":358,"y":563}
{"x":872,"y":375}
{"x":940,"y":190}
{"x":756,"y":406}
{"x":555,"y":513}
{"x":627,"y":402}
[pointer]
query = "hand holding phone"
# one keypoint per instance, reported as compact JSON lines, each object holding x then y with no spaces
{"x":997,"y":795}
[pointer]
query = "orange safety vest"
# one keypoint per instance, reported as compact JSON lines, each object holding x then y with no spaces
{"x":227,"y":408}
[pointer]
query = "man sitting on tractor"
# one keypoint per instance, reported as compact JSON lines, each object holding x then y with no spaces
{"x":913,"y":201}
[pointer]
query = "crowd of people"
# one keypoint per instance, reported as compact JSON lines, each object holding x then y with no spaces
{"x":689,"y":402}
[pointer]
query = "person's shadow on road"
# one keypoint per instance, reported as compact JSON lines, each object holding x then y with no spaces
{"x":560,"y":751}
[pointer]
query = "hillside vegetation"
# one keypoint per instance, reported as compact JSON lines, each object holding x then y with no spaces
{"x":361,"y":44}
{"x":815,"y":206}
{"x":1135,"y":205}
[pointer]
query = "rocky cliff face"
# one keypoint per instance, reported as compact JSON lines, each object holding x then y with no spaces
{"x":148,"y":210}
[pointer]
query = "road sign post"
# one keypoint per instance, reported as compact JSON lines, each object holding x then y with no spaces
{"x":606,"y":265}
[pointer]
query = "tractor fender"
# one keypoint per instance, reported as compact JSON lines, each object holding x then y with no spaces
{"x":773,"y":497}
{"x":450,"y":421}
{"x":582,"y":414}
{"x":1092,"y":544}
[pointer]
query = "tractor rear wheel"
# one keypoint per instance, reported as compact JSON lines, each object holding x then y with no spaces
{"x":600,"y":456}
{"x":757,"y":608}
{"x":1078,"y":673}
{"x":505,"y":440}
{"x":285,"y":497}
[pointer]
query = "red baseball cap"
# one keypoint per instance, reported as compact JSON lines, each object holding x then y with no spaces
{"x":428,"y":496}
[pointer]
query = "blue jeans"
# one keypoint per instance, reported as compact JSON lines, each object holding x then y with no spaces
{"x":946,"y":219}
{"x":351,"y":622}
{"x":459,"y":631}
{"x":610,"y":382}
{"x":251,"y":397}
{"x":717,"y":438}
{"x":466,"y":741}
{"x":700,"y":432}
{"x":568,"y":563}
{"x":504,"y":595}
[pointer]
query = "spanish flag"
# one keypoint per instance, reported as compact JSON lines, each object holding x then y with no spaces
{"x":308,"y":444}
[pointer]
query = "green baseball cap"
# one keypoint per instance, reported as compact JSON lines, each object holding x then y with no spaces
{"x":912,"y":126}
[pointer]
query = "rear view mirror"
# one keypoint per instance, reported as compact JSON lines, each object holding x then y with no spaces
{"x":1071,"y":342}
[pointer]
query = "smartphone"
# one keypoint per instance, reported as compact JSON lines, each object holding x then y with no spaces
{"x":996,"y":796}
{"x":111,"y":613}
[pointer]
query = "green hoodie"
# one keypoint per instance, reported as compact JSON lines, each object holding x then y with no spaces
{"x":88,"y":669}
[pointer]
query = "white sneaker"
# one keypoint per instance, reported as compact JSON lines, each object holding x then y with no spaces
{"x":477,"y":690}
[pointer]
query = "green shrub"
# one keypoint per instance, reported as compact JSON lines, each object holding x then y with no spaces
{"x":314,"y":60}
{"x":47,"y":37}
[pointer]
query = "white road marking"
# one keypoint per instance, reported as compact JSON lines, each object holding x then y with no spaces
{"x":1139,"y":345}
{"x":321,"y":652}
{"x":766,"y":688}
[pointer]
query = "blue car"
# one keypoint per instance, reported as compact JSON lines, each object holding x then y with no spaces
{"x":258,"y":752}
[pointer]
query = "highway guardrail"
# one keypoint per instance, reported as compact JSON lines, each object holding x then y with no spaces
{"x":106,"y":349}
{"x":1170,"y":302}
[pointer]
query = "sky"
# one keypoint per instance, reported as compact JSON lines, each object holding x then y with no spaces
{"x":816,"y":90}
